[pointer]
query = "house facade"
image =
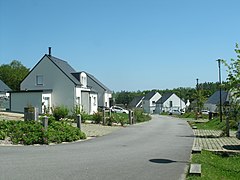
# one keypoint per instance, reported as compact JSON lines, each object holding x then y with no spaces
{"x":213,"y":101}
{"x":103,"y":92}
{"x":4,"y":89}
{"x":53,"y":82}
{"x":168,"y":102}
{"x":4,"y":95}
{"x":149,"y":102}
{"x":136,"y":102}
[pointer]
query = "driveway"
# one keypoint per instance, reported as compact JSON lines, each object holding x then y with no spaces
{"x":159,"y":149}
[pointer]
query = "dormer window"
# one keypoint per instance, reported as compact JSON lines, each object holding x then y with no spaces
{"x":83,"y":79}
{"x":39,"y":80}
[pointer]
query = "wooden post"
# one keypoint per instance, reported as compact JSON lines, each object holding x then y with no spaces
{"x":130,"y":117}
{"x":45,"y":122}
{"x":104,"y":118}
{"x":79,"y":119}
{"x":133,"y":118}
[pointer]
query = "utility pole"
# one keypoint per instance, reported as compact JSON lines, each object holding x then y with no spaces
{"x":220,"y":89}
{"x":197,"y":99}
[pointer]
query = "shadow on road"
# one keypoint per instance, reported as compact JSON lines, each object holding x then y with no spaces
{"x":165,"y":161}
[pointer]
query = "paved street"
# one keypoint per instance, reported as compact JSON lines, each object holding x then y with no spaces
{"x":159,"y":149}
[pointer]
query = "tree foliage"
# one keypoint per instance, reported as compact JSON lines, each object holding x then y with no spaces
{"x":12,"y":74}
{"x":233,"y":79}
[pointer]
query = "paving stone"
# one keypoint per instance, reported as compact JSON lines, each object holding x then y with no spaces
{"x":211,"y":140}
{"x":195,"y":169}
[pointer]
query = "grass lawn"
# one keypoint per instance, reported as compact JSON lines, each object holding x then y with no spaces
{"x":216,"y":166}
{"x":214,"y":124}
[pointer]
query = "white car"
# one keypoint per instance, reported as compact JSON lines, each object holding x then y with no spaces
{"x":118,"y":109}
{"x":205,"y":112}
{"x":175,"y":112}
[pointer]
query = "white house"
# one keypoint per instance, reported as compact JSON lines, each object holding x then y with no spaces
{"x":169,"y":101}
{"x":53,"y":82}
{"x":103,"y":92}
{"x":149,"y":102}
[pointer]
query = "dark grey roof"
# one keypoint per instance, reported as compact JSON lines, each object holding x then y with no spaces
{"x":165,"y":97}
{"x":65,"y":68}
{"x":4,"y":87}
{"x":98,"y":82}
{"x":215,"y":98}
{"x":136,"y":101}
{"x":149,"y":95}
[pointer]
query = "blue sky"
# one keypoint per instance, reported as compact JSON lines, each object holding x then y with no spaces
{"x":127,"y":44}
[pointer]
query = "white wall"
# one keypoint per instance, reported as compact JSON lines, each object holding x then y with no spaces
{"x":93,"y":103}
{"x":177,"y":103}
{"x":149,"y":106}
{"x":103,"y":96}
{"x":107,"y":96}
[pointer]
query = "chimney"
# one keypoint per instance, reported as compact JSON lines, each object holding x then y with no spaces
{"x":49,"y":51}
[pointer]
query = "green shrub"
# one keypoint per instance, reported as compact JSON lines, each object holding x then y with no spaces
{"x":32,"y":132}
{"x":51,"y":119}
{"x":60,"y":112}
{"x":121,"y":119}
{"x":29,"y":132}
{"x":79,"y":110}
{"x":97,"y":117}
{"x":140,"y":116}
{"x":62,"y":132}
{"x":3,"y":135}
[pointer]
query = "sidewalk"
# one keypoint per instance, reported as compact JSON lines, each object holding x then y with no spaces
{"x":211,"y":140}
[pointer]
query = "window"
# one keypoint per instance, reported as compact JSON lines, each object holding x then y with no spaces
{"x":39,"y":79}
{"x":94,"y":101}
{"x":171,"y":104}
{"x":153,"y":102}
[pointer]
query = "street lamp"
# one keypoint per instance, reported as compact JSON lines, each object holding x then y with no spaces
{"x":197,"y":100}
{"x":220,"y":89}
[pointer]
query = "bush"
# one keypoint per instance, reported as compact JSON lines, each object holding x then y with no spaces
{"x":62,"y":132}
{"x":60,"y":112}
{"x":51,"y":119}
{"x":120,"y":118}
{"x":97,"y":117}
{"x":84,"y":116}
{"x":32,"y":132}
{"x":140,"y":116}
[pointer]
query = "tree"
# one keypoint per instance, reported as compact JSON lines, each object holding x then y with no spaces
{"x":12,"y":74}
{"x":233,"y":78}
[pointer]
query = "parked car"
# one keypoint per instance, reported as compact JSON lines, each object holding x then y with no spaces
{"x":117,"y":109}
{"x":205,"y":112}
{"x":175,"y":112}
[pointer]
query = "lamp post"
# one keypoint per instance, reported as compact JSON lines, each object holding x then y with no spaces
{"x":220,"y":89}
{"x":197,"y":100}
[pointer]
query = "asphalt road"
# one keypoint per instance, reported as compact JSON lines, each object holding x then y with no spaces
{"x":159,"y":149}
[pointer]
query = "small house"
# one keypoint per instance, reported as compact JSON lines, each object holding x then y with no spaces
{"x":149,"y":102}
{"x":168,"y":102}
{"x":53,"y":82}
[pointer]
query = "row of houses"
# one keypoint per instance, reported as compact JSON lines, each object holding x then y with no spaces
{"x":53,"y":82}
{"x":153,"y":102}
